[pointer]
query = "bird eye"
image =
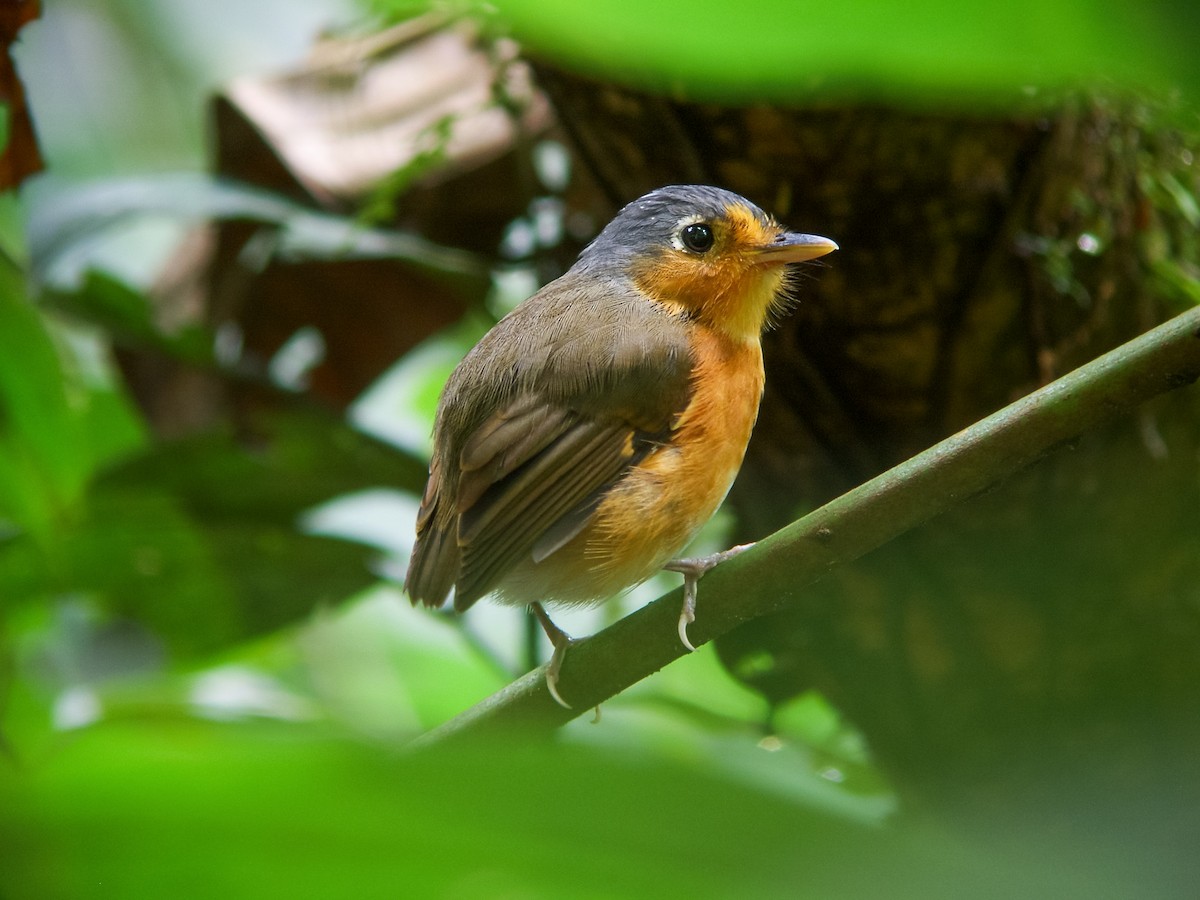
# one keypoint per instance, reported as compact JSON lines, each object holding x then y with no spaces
{"x":697,"y":237}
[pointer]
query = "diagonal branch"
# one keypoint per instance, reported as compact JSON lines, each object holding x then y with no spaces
{"x":779,"y":568}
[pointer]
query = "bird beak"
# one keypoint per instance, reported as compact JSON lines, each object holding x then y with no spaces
{"x":791,"y":248}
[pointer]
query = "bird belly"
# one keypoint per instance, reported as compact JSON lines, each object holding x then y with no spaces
{"x":655,"y":510}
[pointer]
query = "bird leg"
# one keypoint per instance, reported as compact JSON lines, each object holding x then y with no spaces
{"x":561,"y":641}
{"x":693,"y":569}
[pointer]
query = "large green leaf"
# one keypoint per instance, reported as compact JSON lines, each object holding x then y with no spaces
{"x":201,"y":539}
{"x":43,"y":461}
{"x":127,"y":317}
{"x":922,"y":51}
{"x":200,"y":585}
{"x":67,"y":216}
{"x":188,"y":809}
{"x":295,"y":461}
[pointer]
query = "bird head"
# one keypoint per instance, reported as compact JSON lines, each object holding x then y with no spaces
{"x":704,"y":253}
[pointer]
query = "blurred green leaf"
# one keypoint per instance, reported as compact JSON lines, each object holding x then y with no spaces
{"x":295,"y":461}
{"x":874,"y":50}
{"x":127,"y":317}
{"x":1177,"y":281}
{"x":66,"y":216}
{"x":110,"y":426}
{"x":282,"y":575}
{"x":135,"y":552}
{"x":187,"y":809}
{"x":201,"y":586}
{"x":201,"y":539}
{"x":392,"y":671}
{"x":43,"y":462}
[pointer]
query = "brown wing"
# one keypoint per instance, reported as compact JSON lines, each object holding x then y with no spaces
{"x":514,"y":513}
{"x":534,"y":427}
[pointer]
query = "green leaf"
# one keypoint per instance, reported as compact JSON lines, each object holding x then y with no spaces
{"x":926,"y":50}
{"x":66,"y":216}
{"x":43,"y":460}
{"x":126,"y":315}
{"x":201,"y":539}
{"x":296,"y":461}
{"x":283,"y":576}
{"x":173,"y":808}
{"x":199,"y":585}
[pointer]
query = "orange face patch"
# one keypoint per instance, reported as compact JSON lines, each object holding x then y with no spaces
{"x":728,"y":287}
{"x":745,"y":231}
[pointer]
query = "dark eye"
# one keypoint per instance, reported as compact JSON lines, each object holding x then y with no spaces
{"x":697,"y":237}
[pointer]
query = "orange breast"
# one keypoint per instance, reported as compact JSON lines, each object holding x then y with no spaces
{"x":655,"y":511}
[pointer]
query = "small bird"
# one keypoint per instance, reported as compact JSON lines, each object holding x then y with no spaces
{"x":589,"y":435}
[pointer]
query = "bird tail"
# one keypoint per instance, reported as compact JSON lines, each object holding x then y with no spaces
{"x":433,"y":567}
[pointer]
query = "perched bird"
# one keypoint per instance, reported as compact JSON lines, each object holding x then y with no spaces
{"x":589,"y":435}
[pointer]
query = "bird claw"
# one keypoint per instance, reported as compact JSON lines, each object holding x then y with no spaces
{"x":686,"y":619}
{"x":693,"y":569}
{"x":552,"y":669}
{"x":687,"y":615}
{"x":560,"y":641}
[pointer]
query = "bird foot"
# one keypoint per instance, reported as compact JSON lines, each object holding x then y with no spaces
{"x":693,"y":569}
{"x":560,"y":640}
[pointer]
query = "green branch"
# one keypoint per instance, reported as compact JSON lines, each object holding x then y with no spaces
{"x":780,"y":568}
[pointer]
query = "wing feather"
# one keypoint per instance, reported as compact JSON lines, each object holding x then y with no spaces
{"x":544,"y":415}
{"x":512,"y":516}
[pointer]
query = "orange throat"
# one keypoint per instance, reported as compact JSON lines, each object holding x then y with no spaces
{"x":733,"y":291}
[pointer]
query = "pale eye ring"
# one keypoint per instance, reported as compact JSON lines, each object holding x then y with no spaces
{"x":697,"y":237}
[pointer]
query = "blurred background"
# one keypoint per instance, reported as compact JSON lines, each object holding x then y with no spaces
{"x":245,"y":243}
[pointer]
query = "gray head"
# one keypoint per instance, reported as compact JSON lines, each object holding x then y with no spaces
{"x":681,"y":217}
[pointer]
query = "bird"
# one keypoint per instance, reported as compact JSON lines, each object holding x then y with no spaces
{"x":590,"y":434}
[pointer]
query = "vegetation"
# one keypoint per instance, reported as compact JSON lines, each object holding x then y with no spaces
{"x":215,"y":394}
